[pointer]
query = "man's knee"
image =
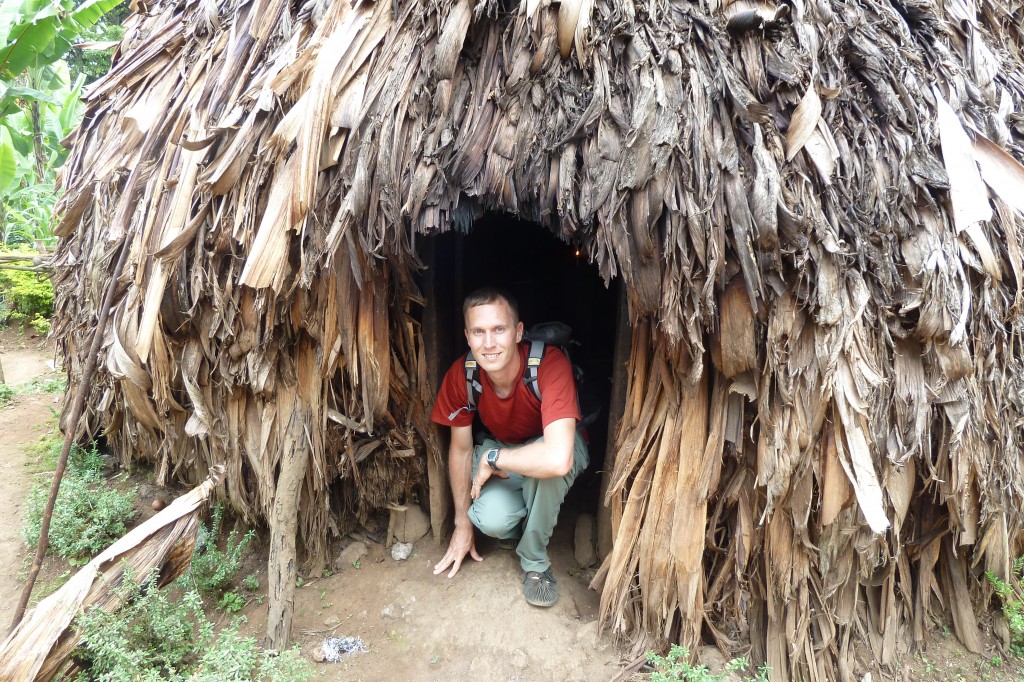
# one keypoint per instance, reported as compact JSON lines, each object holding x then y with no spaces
{"x":548,"y":488}
{"x":492,"y":520}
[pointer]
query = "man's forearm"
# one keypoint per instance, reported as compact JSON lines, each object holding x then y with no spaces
{"x":459,"y":471}
{"x":533,"y":461}
{"x":549,"y":457}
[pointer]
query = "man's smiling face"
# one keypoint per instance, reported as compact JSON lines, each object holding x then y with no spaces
{"x":493,"y":335}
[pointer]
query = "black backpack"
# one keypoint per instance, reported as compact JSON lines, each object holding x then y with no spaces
{"x":540,"y":336}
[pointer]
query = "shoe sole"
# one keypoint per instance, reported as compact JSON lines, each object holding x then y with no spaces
{"x":543,"y":605}
{"x":539,"y":601}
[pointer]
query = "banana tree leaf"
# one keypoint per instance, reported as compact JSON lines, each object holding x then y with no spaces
{"x":8,"y":165}
{"x":70,"y":106}
{"x":44,"y":36}
{"x":9,"y":95}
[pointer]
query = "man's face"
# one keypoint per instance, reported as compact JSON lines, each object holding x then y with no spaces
{"x":493,"y":334}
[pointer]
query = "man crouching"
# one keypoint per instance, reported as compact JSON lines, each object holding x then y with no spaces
{"x":512,"y":484}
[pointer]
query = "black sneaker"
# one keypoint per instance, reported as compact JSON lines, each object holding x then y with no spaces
{"x":508,"y":543}
{"x":540,"y":589}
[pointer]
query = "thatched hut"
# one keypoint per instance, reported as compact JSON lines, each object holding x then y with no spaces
{"x":811,"y":212}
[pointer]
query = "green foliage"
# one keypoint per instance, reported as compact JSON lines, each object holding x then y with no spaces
{"x":88,"y":514}
{"x":155,"y":637}
{"x":40,"y":324}
{"x":94,"y":63}
{"x":30,"y":152}
{"x":52,"y":385}
{"x":213,"y":570}
{"x":1012,"y":600}
{"x":39,"y":106}
{"x":24,"y":295}
{"x":41,"y":31}
{"x":46,"y":450}
{"x":675,"y":666}
{"x":231,"y":602}
{"x":6,"y":395}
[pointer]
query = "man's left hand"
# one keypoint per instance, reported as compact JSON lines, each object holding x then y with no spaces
{"x":483,"y":473}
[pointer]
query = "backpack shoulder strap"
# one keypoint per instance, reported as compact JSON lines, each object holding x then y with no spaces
{"x":473,"y":386}
{"x":533,"y":367}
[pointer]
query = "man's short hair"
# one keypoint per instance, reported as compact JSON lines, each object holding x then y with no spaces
{"x":486,"y":295}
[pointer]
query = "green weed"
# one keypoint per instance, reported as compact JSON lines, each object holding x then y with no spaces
{"x":25,"y":295}
{"x":1012,"y":600}
{"x":155,"y":637}
{"x":88,"y":514}
{"x":231,"y":602}
{"x":51,"y":385}
{"x":675,"y":666}
{"x":40,"y":324}
{"x":213,"y":569}
{"x":251,"y":582}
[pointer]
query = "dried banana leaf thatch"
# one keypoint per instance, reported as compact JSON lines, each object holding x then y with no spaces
{"x":825,"y":195}
{"x":41,"y":643}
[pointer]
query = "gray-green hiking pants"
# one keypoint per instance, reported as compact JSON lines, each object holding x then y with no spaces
{"x":518,"y":504}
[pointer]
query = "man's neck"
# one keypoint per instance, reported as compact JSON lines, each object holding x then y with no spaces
{"x":504,"y":382}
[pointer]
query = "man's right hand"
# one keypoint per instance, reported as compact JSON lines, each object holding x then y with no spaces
{"x":462,"y":544}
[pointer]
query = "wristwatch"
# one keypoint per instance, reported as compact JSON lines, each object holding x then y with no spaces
{"x":492,"y":459}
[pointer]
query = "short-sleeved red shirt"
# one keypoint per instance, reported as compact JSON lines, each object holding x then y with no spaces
{"x":519,"y":417}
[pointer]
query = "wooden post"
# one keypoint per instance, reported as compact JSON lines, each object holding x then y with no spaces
{"x":294,"y":417}
{"x":281,"y":566}
{"x":620,"y":380}
{"x":437,"y":472}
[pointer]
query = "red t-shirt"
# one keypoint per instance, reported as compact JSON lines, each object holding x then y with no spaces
{"x":519,"y":417}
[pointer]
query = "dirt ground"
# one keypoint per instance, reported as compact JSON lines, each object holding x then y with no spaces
{"x":475,"y":626}
{"x":413,"y":625}
{"x":21,"y":425}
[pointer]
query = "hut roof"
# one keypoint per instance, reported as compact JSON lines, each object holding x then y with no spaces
{"x":826,"y":196}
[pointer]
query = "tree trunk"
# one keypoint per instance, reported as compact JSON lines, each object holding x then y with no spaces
{"x":37,"y":140}
{"x":282,"y":567}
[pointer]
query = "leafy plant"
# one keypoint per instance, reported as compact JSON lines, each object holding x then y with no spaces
{"x":213,"y":570}
{"x":1012,"y":600}
{"x":36,"y":114}
{"x":40,"y":324}
{"x":231,"y":602}
{"x":675,"y":666}
{"x":93,"y":63}
{"x":41,"y":31}
{"x":54,"y":384}
{"x":39,"y":107}
{"x":88,"y":514}
{"x":155,"y":637}
{"x":251,"y":582}
{"x":25,"y":295}
{"x":6,"y":395}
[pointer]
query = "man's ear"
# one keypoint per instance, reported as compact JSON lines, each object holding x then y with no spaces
{"x":466,"y":332}
{"x":519,"y":332}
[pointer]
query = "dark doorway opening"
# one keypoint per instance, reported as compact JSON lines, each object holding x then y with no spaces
{"x":551,"y":280}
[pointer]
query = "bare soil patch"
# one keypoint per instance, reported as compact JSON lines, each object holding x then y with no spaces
{"x":475,"y":626}
{"x":22,"y":423}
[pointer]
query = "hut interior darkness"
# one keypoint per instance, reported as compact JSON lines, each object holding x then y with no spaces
{"x":813,"y":210}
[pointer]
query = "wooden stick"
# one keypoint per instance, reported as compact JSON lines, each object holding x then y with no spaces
{"x":284,"y":520}
{"x":84,"y":387}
